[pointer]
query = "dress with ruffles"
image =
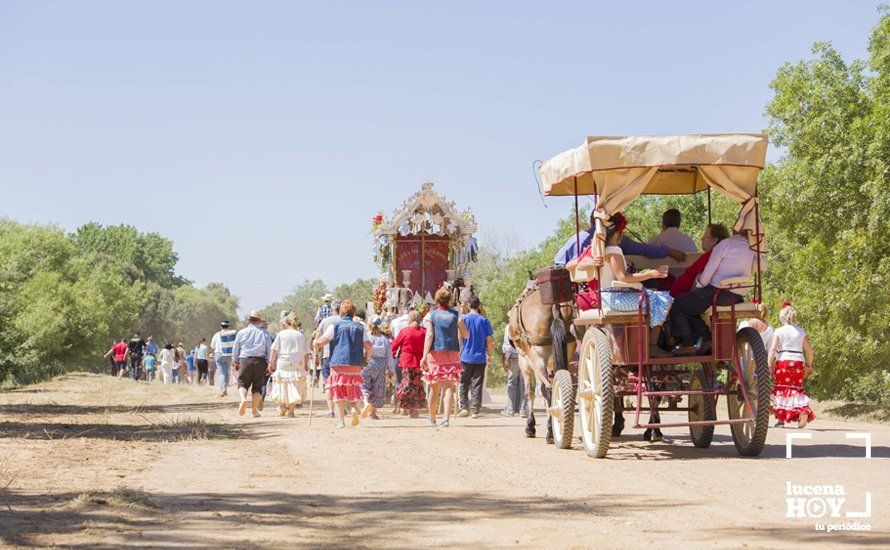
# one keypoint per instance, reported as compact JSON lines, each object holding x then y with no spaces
{"x":443,"y":366}
{"x":789,"y":401}
{"x":289,"y":379}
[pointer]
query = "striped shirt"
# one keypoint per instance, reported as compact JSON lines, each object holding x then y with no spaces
{"x":223,"y":342}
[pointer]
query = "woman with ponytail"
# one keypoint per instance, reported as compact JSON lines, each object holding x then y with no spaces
{"x":790,"y":362}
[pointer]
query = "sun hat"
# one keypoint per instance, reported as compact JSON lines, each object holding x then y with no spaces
{"x":256,"y":315}
{"x":327,"y":297}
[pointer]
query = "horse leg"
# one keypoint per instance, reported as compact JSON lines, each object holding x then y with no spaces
{"x":530,"y":393}
{"x":547,"y":393}
{"x":653,"y":434}
{"x":618,"y":424}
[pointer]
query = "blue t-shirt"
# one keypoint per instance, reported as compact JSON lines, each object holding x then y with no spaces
{"x":150,"y":362}
{"x":474,"y":347}
{"x":190,"y":361}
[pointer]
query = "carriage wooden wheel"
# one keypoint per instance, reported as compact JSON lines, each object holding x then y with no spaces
{"x":562,"y":409}
{"x":751,"y":396}
{"x":595,"y":393}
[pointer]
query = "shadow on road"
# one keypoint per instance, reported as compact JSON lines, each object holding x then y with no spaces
{"x":314,"y":519}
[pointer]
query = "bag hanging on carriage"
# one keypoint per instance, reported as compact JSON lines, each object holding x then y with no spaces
{"x":554,"y":285}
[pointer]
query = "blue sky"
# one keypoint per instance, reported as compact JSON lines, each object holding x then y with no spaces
{"x":262,"y":136}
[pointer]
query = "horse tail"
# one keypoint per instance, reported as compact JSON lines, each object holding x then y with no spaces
{"x":558,"y":335}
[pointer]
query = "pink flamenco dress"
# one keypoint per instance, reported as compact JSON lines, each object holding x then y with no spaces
{"x":443,"y":366}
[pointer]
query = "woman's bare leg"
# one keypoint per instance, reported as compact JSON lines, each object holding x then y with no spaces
{"x":434,"y":401}
{"x":449,"y":400}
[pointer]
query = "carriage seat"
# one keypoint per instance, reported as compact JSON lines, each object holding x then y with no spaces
{"x":743,"y":310}
{"x":609,"y":316}
{"x":676,"y":268}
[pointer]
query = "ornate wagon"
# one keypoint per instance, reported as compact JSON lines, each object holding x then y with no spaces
{"x":424,"y":244}
{"x":614,"y":360}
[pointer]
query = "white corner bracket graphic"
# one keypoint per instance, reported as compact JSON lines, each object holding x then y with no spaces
{"x":862,"y":435}
{"x":791,"y":437}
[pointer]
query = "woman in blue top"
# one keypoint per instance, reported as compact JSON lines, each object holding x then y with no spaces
{"x":350,"y":351}
{"x":441,"y":355}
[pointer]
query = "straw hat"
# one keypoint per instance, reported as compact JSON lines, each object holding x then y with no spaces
{"x":327,"y":297}
{"x":256,"y":315}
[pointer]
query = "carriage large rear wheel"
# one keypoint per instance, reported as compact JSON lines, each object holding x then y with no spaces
{"x":749,"y":437}
{"x":595,"y":393}
{"x":701,"y":409}
{"x":562,"y":409}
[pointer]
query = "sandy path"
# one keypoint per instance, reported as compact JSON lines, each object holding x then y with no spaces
{"x":239,"y":482}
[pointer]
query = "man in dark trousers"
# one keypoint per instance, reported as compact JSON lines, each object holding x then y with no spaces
{"x":135,"y":350}
{"x":476,"y":332}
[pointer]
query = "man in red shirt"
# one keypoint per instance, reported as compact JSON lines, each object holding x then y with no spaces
{"x":714,"y":233}
{"x":118,"y":353}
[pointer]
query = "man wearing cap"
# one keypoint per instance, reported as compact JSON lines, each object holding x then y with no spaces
{"x":326,"y":352}
{"x":324,"y":310}
{"x":250,"y":355}
{"x":221,"y":344}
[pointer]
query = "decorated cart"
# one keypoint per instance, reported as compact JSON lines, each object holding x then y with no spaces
{"x":421,"y":246}
{"x":614,"y":359}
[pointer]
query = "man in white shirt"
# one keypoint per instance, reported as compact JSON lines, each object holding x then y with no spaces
{"x":328,"y":321}
{"x":671,"y":236}
{"x":730,"y":258}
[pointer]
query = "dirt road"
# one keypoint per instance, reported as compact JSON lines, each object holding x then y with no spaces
{"x":89,"y":460}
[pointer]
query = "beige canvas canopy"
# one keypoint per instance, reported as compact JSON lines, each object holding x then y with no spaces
{"x":620,"y":169}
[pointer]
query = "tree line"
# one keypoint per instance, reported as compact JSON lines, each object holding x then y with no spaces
{"x":65,"y":296}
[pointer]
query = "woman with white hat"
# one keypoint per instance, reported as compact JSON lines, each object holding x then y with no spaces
{"x":374,"y":373}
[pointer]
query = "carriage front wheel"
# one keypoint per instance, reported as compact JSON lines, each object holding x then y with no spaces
{"x":562,"y":409}
{"x":751,"y":360}
{"x":595,"y":393}
{"x":701,"y":409}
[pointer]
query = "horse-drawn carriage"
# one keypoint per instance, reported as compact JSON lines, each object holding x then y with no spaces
{"x":614,"y":359}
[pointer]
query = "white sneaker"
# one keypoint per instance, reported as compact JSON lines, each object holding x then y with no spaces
{"x":256,"y":414}
{"x":474,"y":415}
{"x":463,"y":413}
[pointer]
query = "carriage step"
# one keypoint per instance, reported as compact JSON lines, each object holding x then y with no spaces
{"x":696,"y":423}
{"x":682,"y":392}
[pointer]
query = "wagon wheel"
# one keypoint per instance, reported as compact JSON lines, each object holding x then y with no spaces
{"x":749,"y":437}
{"x":701,"y":407}
{"x":595,"y":393}
{"x":562,"y":410}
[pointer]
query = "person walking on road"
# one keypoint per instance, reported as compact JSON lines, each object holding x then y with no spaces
{"x":289,"y":363}
{"x":201,"y":361}
{"x":441,"y":356}
{"x":475,"y":356}
{"x":350,"y":351}
{"x":517,"y":400}
{"x":251,"y":352}
{"x":168,"y":364}
{"x":374,"y":373}
{"x":408,"y":346}
{"x":118,"y":355}
{"x":222,"y":344}
{"x":327,"y":322}
{"x":135,"y":350}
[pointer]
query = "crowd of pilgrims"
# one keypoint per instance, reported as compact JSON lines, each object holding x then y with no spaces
{"x":415,"y":357}
{"x":418,"y":359}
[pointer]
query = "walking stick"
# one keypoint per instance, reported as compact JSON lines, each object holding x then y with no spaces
{"x":312,"y":388}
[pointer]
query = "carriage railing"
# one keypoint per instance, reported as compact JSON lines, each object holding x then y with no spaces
{"x":644,"y":366}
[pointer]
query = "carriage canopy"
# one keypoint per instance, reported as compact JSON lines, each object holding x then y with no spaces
{"x":620,"y":169}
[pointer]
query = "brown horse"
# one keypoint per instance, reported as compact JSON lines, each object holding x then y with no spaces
{"x":539,"y":332}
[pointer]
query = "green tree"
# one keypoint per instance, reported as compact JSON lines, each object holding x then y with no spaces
{"x":827,"y":207}
{"x":360,"y":291}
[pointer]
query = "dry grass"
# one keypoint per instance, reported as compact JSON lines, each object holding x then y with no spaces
{"x":186,"y":428}
{"x":126,"y":497}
